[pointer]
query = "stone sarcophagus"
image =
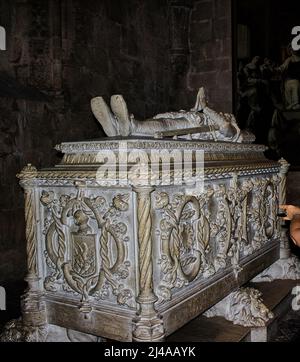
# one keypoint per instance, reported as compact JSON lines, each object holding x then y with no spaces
{"x":136,"y":260}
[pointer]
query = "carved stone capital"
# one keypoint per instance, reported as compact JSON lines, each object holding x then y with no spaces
{"x":243,"y":307}
{"x":27,"y":176}
{"x":143,"y":190}
{"x":28,"y":171}
{"x":148,"y":330}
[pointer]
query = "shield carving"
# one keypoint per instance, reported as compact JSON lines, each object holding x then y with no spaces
{"x":83,"y":250}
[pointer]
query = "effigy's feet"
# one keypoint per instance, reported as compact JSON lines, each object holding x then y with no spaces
{"x":119,"y":107}
{"x":104,"y":116}
{"x":200,"y":102}
{"x":202,"y":99}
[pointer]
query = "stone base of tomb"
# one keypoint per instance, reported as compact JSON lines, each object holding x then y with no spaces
{"x":277,"y":297}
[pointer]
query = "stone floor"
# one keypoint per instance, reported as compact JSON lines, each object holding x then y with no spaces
{"x":288,"y":330}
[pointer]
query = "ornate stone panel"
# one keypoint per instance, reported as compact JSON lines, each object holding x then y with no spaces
{"x":202,"y":236}
{"x":88,"y":245}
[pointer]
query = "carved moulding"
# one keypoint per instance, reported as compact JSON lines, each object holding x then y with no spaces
{"x":80,"y":233}
{"x":243,"y":307}
{"x":92,"y":158}
{"x":223,"y":147}
{"x":66,"y":178}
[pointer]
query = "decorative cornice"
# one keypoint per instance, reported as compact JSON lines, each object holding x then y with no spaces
{"x":96,"y":146}
{"x":92,"y":158}
{"x":63,"y":177}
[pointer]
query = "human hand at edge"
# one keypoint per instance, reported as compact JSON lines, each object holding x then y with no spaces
{"x":291,"y":211}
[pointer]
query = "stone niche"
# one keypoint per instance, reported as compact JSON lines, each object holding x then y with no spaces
{"x":135,"y":262}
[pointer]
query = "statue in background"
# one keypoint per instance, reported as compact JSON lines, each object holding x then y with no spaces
{"x":200,"y":123}
{"x":291,"y":76}
{"x":253,"y":89}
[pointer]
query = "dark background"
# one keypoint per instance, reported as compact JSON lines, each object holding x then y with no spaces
{"x":269,"y":23}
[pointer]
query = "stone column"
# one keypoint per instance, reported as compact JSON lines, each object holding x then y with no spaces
{"x":33,"y":307}
{"x":285,"y":251}
{"x":148,"y":327}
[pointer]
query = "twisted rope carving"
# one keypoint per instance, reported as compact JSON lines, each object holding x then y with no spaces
{"x":282,"y":195}
{"x":61,"y":241}
{"x":145,"y":243}
{"x":283,"y":180}
{"x":30,"y":232}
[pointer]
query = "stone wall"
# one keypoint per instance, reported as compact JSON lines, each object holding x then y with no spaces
{"x":61,"y":53}
{"x":211,"y":51}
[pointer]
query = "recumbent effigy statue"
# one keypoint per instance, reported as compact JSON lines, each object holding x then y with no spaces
{"x":200,"y":123}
